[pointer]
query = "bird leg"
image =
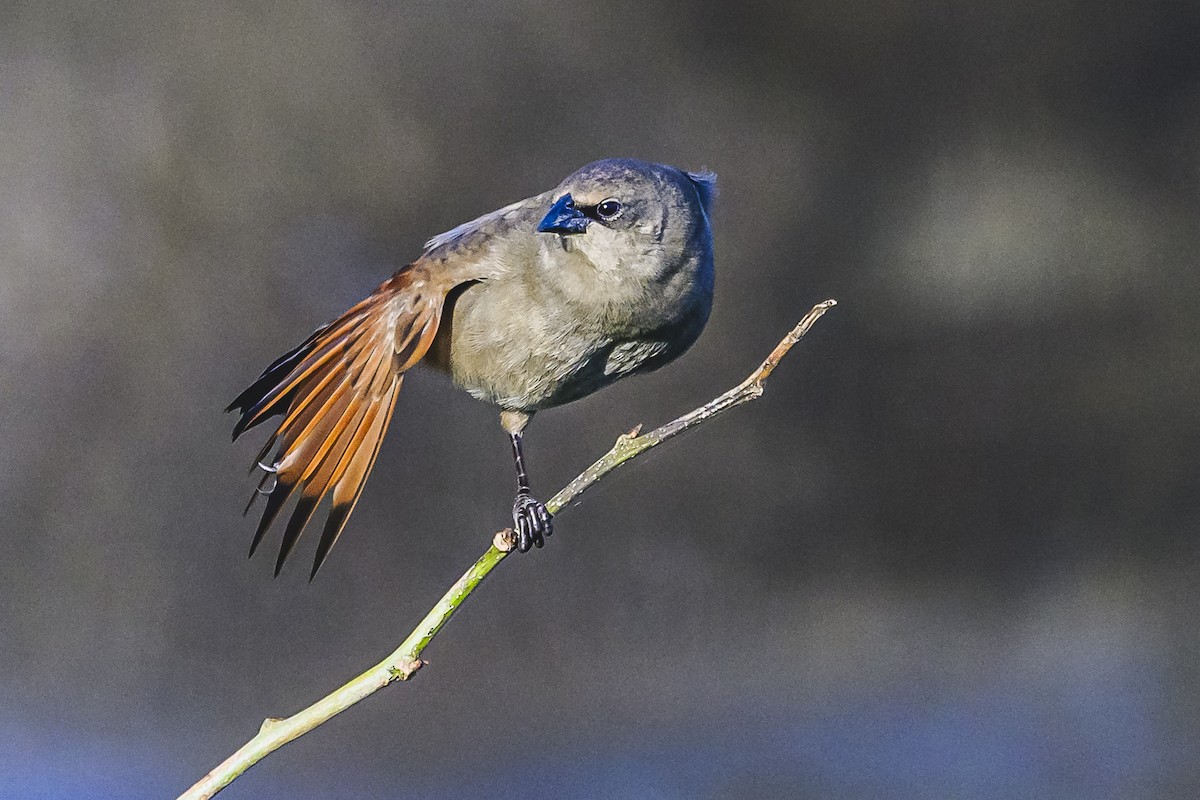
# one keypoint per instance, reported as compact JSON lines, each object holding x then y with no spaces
{"x":531,"y":521}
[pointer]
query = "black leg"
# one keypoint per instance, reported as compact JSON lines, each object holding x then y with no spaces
{"x":531,"y":521}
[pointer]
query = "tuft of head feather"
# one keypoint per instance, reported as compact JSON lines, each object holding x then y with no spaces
{"x":706,"y":187}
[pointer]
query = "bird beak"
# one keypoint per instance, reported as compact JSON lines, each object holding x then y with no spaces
{"x":564,"y":218}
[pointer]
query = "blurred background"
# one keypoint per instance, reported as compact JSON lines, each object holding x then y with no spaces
{"x":952,"y":553}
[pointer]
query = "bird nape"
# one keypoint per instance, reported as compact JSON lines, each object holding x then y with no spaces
{"x":534,"y":305}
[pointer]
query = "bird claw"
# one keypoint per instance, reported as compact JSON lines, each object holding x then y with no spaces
{"x":532,"y":522}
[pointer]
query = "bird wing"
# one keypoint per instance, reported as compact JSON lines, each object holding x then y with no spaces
{"x":336,"y":392}
{"x":521,"y":215}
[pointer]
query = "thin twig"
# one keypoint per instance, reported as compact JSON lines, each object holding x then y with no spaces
{"x":406,"y":659}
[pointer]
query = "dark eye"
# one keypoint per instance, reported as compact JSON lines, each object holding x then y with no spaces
{"x":609,"y":209}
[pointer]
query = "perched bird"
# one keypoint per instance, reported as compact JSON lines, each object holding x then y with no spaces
{"x":531,"y":306}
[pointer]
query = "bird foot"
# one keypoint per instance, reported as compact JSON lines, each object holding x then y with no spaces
{"x":532,"y":523}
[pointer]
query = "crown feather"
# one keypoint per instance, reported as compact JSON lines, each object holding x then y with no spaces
{"x":706,"y":186}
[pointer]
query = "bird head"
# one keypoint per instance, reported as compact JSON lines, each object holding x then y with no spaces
{"x":623,"y":214}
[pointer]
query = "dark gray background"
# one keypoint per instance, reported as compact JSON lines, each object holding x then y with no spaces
{"x":950,"y":554}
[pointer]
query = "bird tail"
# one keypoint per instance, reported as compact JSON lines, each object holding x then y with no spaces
{"x":336,"y":392}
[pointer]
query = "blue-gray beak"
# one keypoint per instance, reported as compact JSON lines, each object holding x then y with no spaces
{"x":564,"y":218}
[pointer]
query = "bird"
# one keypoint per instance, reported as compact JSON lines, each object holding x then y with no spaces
{"x":534,"y":305}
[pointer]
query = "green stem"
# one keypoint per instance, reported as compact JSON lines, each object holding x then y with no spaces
{"x":405,"y":660}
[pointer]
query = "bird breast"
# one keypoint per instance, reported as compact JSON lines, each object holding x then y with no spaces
{"x":505,"y":345}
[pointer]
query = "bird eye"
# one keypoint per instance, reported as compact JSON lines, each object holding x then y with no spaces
{"x":609,"y":209}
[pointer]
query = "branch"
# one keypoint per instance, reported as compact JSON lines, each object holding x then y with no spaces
{"x":406,"y":659}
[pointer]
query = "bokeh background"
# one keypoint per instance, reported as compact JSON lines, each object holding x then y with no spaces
{"x":952,"y":553}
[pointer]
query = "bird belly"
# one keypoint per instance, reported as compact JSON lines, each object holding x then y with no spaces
{"x":514,"y":353}
{"x":504,"y":347}
{"x":521,"y":375}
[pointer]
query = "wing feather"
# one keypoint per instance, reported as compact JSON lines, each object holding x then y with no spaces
{"x":262,"y":399}
{"x":493,"y":223}
{"x":352,"y":476}
{"x":336,"y":393}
